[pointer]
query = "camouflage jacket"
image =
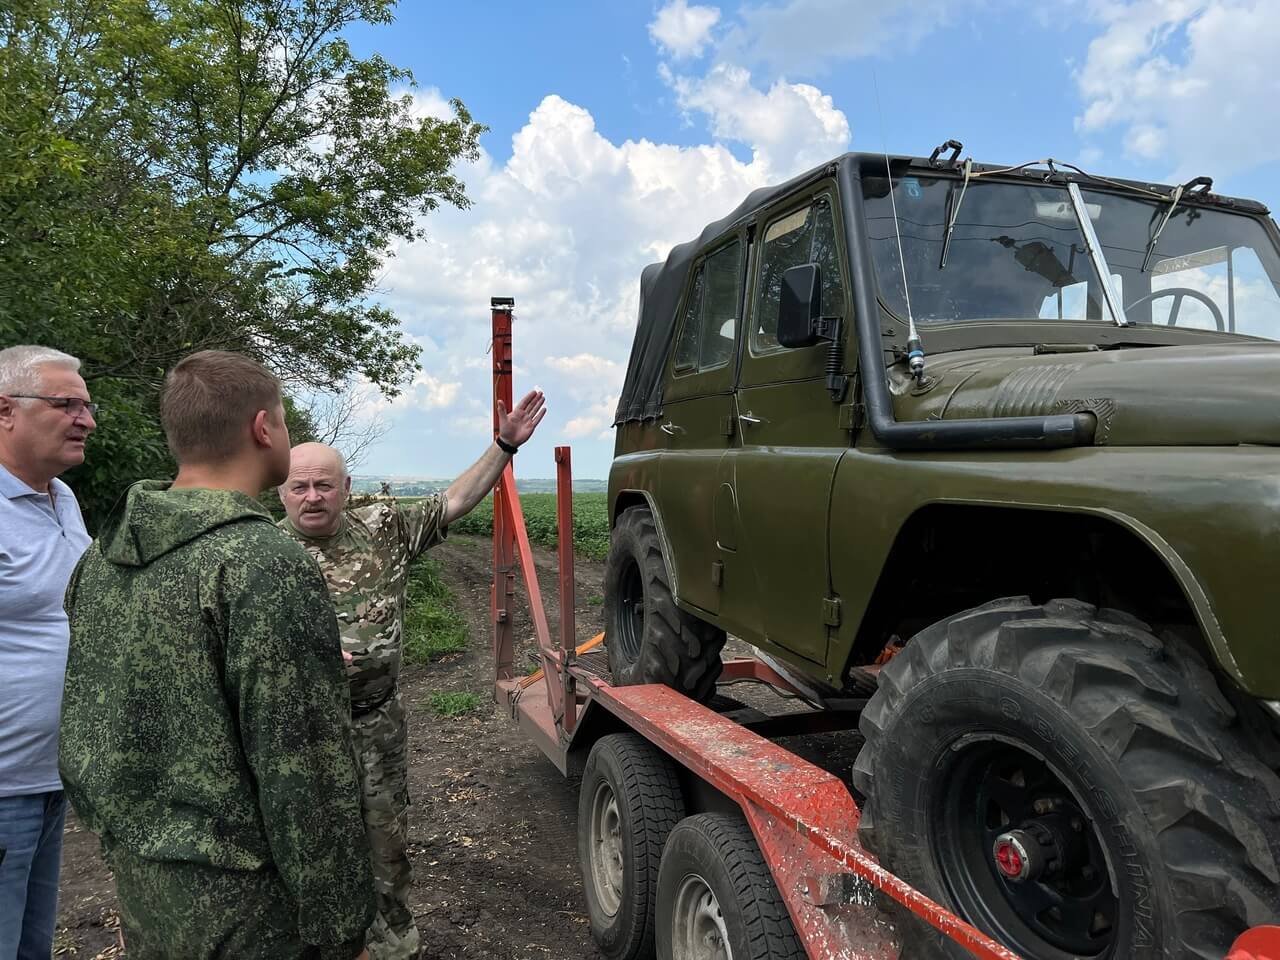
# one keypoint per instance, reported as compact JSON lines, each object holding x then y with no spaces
{"x":204,"y":714}
{"x":366,"y":564}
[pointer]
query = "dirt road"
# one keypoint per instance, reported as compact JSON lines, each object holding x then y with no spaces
{"x":493,"y":826}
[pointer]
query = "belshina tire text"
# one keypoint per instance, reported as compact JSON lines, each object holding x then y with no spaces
{"x":675,"y":648}
{"x":1135,"y":725}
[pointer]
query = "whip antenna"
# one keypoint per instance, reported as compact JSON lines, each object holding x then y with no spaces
{"x":915,"y":349}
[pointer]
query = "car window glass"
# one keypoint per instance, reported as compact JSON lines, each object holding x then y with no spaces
{"x":805,"y":236}
{"x":720,"y":305}
{"x":826,"y":254}
{"x":687,"y":346}
{"x":786,"y":244}
{"x":1255,"y":300}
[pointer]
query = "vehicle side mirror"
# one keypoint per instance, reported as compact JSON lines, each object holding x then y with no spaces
{"x":800,"y":306}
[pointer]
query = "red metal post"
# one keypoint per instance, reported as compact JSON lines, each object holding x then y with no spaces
{"x":510,"y":538}
{"x":513,"y":517}
{"x":564,"y":540}
{"x":503,"y":591}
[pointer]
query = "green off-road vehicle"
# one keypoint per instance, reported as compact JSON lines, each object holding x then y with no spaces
{"x":998,"y":449}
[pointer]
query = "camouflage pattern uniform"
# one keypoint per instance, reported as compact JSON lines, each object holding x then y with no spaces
{"x":366,"y":564}
{"x":204,"y":734}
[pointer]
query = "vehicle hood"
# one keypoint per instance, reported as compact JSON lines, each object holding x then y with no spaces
{"x":1151,"y":396}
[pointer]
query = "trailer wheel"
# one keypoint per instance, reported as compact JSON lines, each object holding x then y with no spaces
{"x":1071,"y":784}
{"x":629,"y":802}
{"x":649,"y":638}
{"x":716,"y":897}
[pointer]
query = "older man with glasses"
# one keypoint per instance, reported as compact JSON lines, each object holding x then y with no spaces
{"x":45,"y":418}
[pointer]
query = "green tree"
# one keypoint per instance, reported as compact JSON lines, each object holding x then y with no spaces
{"x":184,"y":174}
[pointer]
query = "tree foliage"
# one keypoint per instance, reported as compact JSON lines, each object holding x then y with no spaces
{"x":184,"y":174}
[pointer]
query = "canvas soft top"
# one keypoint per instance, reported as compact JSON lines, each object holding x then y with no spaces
{"x":661,"y":285}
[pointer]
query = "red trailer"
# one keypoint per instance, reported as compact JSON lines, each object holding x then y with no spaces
{"x":697,"y":833}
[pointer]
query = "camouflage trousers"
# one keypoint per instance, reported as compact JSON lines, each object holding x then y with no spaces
{"x":380,"y":739}
{"x":186,"y":911}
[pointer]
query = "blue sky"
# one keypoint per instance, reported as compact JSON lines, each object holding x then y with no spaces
{"x":617,"y":129}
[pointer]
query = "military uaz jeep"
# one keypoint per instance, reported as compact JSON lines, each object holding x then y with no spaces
{"x":995,"y":448}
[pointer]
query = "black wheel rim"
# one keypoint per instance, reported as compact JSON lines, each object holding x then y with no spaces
{"x":630,"y":610}
{"x":998,"y":806}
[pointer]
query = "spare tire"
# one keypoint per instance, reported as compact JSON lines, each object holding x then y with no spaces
{"x":1071,"y":784}
{"x":649,"y":638}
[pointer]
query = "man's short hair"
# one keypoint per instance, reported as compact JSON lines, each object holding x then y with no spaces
{"x":209,"y":399}
{"x":20,"y":367}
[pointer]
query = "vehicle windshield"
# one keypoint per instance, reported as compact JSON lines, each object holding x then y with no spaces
{"x":1017,"y":252}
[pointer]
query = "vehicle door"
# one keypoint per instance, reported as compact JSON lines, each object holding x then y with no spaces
{"x":790,"y":438}
{"x":697,"y":417}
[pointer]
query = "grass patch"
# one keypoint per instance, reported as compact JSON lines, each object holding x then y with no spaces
{"x":595,"y":599}
{"x":454,"y":704}
{"x":590,"y":521}
{"x":433,"y":627}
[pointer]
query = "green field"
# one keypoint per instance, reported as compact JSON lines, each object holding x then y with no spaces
{"x":590,"y":521}
{"x":433,"y":626}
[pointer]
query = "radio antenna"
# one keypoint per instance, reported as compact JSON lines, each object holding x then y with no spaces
{"x":915,"y":349}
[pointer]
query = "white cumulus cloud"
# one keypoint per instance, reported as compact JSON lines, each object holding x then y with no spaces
{"x":789,"y":127}
{"x":1185,"y":80}
{"x":682,"y":30}
{"x":565,"y":226}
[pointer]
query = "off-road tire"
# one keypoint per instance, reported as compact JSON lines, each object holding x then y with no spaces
{"x":1134,"y":723}
{"x":673,"y":647}
{"x":649,"y":803}
{"x":719,"y":849}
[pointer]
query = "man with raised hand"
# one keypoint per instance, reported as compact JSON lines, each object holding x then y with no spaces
{"x":365,"y":555}
{"x":45,"y":418}
{"x":204,"y":724}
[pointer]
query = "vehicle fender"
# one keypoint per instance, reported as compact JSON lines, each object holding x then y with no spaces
{"x":1211,"y":515}
{"x":651,"y":501}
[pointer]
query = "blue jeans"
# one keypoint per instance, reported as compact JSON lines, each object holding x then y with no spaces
{"x":31,"y":837}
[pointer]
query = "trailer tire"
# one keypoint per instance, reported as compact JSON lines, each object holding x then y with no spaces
{"x":629,"y":802}
{"x":648,"y":637}
{"x":715,"y":884}
{"x":1069,"y":783}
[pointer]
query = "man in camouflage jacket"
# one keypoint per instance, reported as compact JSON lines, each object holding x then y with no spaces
{"x":204,"y":723}
{"x":365,"y":555}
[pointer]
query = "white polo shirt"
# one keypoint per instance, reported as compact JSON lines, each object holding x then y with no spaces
{"x":41,"y":540}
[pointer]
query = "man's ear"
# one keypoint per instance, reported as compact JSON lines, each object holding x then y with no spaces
{"x":262,"y":429}
{"x":347,"y":484}
{"x":7,"y":409}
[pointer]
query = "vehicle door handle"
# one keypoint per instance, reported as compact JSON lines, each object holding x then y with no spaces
{"x":749,"y":418}
{"x":670,"y":429}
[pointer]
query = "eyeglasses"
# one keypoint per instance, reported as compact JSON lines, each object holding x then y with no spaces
{"x":74,"y":406}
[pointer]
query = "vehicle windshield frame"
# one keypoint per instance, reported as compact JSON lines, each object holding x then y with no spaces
{"x":1258,"y":239}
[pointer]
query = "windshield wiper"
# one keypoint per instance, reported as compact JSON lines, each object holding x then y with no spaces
{"x":955,"y":212}
{"x":1204,"y":183}
{"x":1094,"y":249}
{"x":1155,"y":237}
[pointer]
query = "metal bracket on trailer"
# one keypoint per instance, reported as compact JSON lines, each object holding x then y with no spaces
{"x":803,"y":818}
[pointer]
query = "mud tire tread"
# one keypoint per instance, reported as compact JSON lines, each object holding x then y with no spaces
{"x":677,"y":648}
{"x":1153,"y":708}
